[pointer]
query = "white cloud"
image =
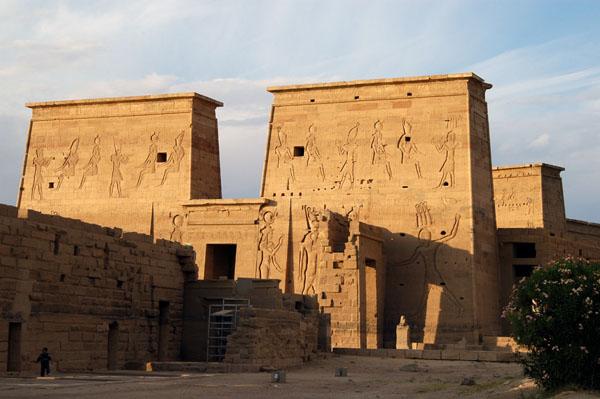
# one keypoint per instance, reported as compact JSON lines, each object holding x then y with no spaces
{"x":41,"y":55}
{"x":540,"y":142}
{"x":544,"y":106}
{"x":82,"y":23}
{"x":150,"y":84}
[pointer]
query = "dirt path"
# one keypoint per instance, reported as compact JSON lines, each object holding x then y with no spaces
{"x":367,"y":377}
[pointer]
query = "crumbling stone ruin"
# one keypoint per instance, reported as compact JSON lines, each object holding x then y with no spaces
{"x":378,"y":201}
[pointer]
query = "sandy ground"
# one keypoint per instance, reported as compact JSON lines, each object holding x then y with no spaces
{"x":367,"y":377}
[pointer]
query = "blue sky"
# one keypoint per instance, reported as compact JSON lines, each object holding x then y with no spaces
{"x":541,"y":56}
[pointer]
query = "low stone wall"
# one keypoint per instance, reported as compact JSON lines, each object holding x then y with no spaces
{"x":276,"y":338}
{"x":433,"y":354}
{"x":95,"y":296}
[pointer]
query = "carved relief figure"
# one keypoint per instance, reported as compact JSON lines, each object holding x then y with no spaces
{"x":449,"y":147}
{"x":68,"y":166}
{"x":408,"y":148}
{"x":426,"y":252}
{"x":307,"y":265}
{"x":175,"y":158}
{"x":312,"y":151}
{"x":348,"y":149}
{"x":423,"y":215}
{"x":149,"y":165}
{"x":115,"y":181}
{"x":176,"y":233}
{"x":91,"y":168}
{"x":39,"y":163}
{"x":378,"y":154}
{"x":354,"y":212}
{"x":282,"y":150}
{"x":267,"y":248}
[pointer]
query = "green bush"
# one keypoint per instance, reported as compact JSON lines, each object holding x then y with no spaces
{"x":554,"y":314}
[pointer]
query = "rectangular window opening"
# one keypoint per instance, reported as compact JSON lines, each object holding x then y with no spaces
{"x":299,"y":151}
{"x":524,"y":250}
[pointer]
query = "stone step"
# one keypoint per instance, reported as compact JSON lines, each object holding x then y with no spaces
{"x":468,"y":347}
{"x":433,"y":354}
{"x":202,"y":367}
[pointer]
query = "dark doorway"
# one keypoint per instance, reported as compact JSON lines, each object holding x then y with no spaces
{"x":369,"y":317}
{"x":219,"y":261}
{"x":14,"y":347}
{"x":113,"y":345}
{"x":163,"y":331}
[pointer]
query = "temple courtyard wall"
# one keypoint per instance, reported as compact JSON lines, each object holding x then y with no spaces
{"x":97,"y":297}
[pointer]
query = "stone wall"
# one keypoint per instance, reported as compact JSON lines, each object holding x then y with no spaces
{"x":97,"y":297}
{"x":291,"y":317}
{"x":107,"y":161}
{"x":408,"y":155}
{"x":529,"y":196}
{"x":276,"y":338}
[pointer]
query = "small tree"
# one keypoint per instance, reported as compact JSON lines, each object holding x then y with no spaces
{"x":554,"y":314}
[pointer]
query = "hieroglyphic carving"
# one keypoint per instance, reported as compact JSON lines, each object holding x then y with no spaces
{"x":267,"y":248}
{"x":378,"y":152}
{"x":115,"y":181}
{"x":312,"y":151}
{"x":408,"y":148}
{"x":307,"y":262}
{"x":426,"y":251}
{"x":505,"y":198}
{"x":354,"y":212}
{"x":283,"y":152}
{"x":508,"y":201}
{"x":68,"y":166}
{"x":423,"y":215}
{"x":149,"y":165}
{"x":449,"y":147}
{"x":348,"y":149}
{"x":449,"y":201}
{"x":91,"y":168}
{"x":175,"y":158}
{"x":39,"y":163}
{"x":177,"y":233}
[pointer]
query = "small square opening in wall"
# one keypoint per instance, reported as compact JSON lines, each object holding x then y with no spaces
{"x":161,"y":157}
{"x":51,"y":184}
{"x":299,"y":151}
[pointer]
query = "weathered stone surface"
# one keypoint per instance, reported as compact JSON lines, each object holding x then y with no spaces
{"x":66,"y":298}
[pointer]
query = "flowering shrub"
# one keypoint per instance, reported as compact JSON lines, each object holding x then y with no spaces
{"x":554,"y":314}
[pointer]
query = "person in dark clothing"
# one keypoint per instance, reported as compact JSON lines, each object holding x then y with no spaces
{"x":44,"y":358}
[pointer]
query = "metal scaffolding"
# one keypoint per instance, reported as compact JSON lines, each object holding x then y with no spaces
{"x":222,"y":321}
